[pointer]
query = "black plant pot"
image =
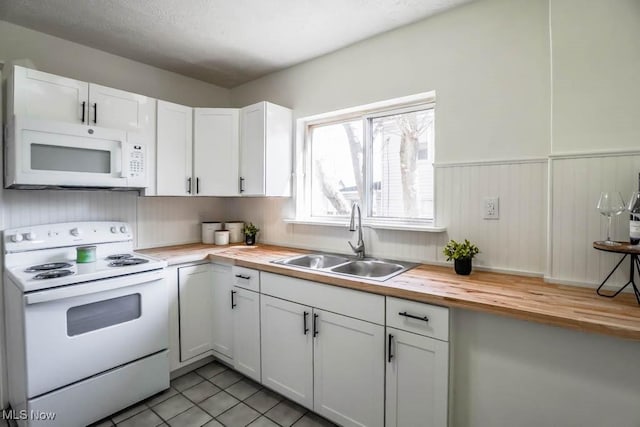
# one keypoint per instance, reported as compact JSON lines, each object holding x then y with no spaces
{"x":249,"y":240}
{"x":462,"y":266}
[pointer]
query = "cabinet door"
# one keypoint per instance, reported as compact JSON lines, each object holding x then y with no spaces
{"x":252,"y":150}
{"x":348,"y":370}
{"x":417,"y":380}
{"x":196,"y":306}
{"x":174,"y":149}
{"x":287,"y":349}
{"x":47,"y":96}
{"x":246,"y":333}
{"x":215,"y":151}
{"x":118,"y":109}
{"x":222,"y":339}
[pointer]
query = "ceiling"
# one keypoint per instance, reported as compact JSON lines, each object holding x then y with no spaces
{"x":224,"y":42}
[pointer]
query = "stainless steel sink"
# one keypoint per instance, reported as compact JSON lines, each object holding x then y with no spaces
{"x":368,"y":268}
{"x":314,"y":261}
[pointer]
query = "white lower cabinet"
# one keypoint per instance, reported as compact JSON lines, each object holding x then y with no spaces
{"x":222,"y":313}
{"x":417,"y":373}
{"x":348,"y":370}
{"x":196,"y":307}
{"x":246,"y":332}
{"x":287,"y":349}
{"x":331,"y":363}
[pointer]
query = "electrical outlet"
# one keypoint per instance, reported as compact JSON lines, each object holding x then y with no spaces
{"x":491,"y":208}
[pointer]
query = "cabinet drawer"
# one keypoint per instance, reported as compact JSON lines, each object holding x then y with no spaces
{"x":424,"y":319}
{"x":246,"y":278}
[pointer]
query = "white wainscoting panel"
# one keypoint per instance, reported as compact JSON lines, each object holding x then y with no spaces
{"x":165,"y":221}
{"x":33,"y":207}
{"x":514,"y":242}
{"x":576,"y":223}
{"x":517,"y":240}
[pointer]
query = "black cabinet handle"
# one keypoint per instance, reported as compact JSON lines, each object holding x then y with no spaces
{"x":304,"y":322}
{"x":315,"y":325}
{"x":197,"y":185}
{"x":390,"y":356}
{"x":189,"y":185}
{"x":411,"y":316}
{"x":233,"y":302}
{"x":241,"y":276}
{"x":84,"y":106}
{"x":241,"y":184}
{"x":95,"y":113}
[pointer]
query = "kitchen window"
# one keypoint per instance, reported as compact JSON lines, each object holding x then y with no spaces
{"x":379,"y":155}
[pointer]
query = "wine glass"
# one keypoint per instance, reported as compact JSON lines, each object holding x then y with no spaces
{"x":609,"y":204}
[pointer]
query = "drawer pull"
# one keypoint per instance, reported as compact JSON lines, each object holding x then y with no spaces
{"x":242,"y":276}
{"x":411,"y":316}
{"x":233,"y":302}
{"x":315,"y":325}
{"x":389,"y":351}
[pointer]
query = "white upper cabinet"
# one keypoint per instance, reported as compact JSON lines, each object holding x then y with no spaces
{"x":215,"y":151}
{"x":47,"y":96}
{"x":265,"y":150}
{"x":174,"y":150}
{"x":118,"y":109}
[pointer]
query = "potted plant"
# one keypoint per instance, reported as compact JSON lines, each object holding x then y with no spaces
{"x":250,"y":232}
{"x":461,"y":254}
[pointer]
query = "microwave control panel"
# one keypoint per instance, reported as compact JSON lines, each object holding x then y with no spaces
{"x":136,"y":161}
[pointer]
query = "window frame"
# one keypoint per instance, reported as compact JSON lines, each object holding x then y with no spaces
{"x":365,"y":113}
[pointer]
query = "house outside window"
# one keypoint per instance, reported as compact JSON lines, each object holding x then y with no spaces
{"x":378,"y":155}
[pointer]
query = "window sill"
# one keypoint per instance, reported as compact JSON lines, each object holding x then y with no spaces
{"x":426,"y":228}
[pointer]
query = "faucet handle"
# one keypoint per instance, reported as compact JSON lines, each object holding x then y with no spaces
{"x":353,"y":248}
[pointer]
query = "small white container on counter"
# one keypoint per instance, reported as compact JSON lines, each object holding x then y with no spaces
{"x":235,"y":231}
{"x":208,"y":229}
{"x":221,"y":237}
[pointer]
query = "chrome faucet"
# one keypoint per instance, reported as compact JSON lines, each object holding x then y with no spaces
{"x":358,"y":249}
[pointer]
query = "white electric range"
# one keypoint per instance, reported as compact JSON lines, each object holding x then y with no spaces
{"x":84,"y":340}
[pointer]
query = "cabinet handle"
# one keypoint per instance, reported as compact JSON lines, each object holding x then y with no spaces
{"x":95,"y":113}
{"x":315,"y":325}
{"x":389,"y":351}
{"x":233,"y":302}
{"x":304,"y":322}
{"x":84,"y":106}
{"x":240,"y":276}
{"x":189,"y":185}
{"x":241,"y":184}
{"x":412,"y":316}
{"x":197,"y":185}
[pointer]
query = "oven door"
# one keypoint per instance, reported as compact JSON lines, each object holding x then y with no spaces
{"x":51,"y":153}
{"x":76,"y":331}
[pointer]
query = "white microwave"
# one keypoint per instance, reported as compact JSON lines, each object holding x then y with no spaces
{"x":43,"y":153}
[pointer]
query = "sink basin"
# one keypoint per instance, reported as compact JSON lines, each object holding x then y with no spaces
{"x":369,"y":268}
{"x":315,"y":261}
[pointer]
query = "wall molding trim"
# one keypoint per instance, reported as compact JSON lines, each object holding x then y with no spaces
{"x":594,"y":153}
{"x":495,"y":162}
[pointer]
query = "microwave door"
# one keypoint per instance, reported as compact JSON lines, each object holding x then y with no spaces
{"x":86,"y":160}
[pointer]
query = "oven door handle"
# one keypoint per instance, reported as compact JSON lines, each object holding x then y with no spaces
{"x":81,"y":289}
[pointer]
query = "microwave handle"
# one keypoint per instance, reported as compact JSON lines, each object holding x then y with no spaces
{"x":72,"y":291}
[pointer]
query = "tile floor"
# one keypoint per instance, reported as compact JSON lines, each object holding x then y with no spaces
{"x":215,"y":396}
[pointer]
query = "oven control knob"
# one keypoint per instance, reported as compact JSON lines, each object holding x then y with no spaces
{"x":75,"y":232}
{"x":114,"y":229}
{"x":30,"y":235}
{"x":124,"y":229}
{"x":16,"y":238}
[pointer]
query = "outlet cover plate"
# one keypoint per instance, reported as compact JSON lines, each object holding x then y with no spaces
{"x":491,"y":208}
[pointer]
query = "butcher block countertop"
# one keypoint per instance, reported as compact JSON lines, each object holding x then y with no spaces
{"x":527,"y":298}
